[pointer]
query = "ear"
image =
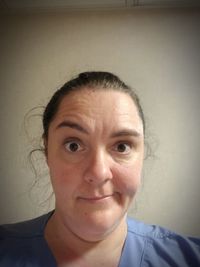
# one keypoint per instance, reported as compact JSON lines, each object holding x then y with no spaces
{"x":45,"y":144}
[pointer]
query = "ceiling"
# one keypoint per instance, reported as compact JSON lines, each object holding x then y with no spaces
{"x":34,"y":5}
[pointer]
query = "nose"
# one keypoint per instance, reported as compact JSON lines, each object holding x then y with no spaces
{"x":98,"y":169}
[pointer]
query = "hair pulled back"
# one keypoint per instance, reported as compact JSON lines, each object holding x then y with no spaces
{"x":95,"y":80}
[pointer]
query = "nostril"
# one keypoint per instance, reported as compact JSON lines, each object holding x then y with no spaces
{"x":98,"y":169}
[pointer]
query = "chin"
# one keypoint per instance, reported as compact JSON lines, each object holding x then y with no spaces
{"x":95,"y":228}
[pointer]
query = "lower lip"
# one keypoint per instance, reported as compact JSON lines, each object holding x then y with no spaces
{"x":96,"y":200}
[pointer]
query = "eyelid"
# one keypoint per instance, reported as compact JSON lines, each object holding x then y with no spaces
{"x":71,"y":139}
{"x":126,"y":142}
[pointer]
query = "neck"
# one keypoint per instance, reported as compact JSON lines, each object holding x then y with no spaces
{"x":69,"y":249}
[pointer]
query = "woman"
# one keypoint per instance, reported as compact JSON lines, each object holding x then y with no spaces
{"x":94,"y":148}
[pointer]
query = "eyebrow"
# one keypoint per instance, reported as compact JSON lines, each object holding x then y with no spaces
{"x":76,"y":126}
{"x":71,"y":125}
{"x":126,"y":132}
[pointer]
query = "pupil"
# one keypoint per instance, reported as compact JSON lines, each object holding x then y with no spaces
{"x":73,"y":146}
{"x":121,"y":148}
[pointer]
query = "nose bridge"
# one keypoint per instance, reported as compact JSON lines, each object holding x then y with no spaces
{"x":99,"y":167}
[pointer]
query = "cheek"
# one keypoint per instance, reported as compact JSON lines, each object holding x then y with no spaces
{"x":128,"y":179}
{"x":63,"y":177}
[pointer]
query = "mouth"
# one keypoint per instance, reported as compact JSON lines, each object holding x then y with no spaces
{"x":95,"y":199}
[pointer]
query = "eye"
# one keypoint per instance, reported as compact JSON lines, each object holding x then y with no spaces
{"x":123,"y":147}
{"x":73,"y":146}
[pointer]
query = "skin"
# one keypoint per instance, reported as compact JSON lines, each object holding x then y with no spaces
{"x":95,"y":153}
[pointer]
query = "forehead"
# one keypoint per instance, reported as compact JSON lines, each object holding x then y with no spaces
{"x":99,"y":105}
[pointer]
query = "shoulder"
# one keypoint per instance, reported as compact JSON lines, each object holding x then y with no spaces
{"x":23,"y":242}
{"x":155,"y":233}
{"x":25,"y":229}
{"x":160,"y":245}
{"x":147,"y":231}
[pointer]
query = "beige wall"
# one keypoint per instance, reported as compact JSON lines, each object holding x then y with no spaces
{"x":155,"y":51}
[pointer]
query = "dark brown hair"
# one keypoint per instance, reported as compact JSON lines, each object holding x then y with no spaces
{"x":95,"y":80}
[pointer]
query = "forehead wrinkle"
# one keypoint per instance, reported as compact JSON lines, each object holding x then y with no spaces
{"x":89,"y":110}
{"x":129,"y":121}
{"x":80,"y":106}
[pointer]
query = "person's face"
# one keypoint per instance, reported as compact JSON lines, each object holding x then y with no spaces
{"x":95,"y":153}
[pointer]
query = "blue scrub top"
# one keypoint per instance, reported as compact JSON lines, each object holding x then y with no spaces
{"x":23,"y":244}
